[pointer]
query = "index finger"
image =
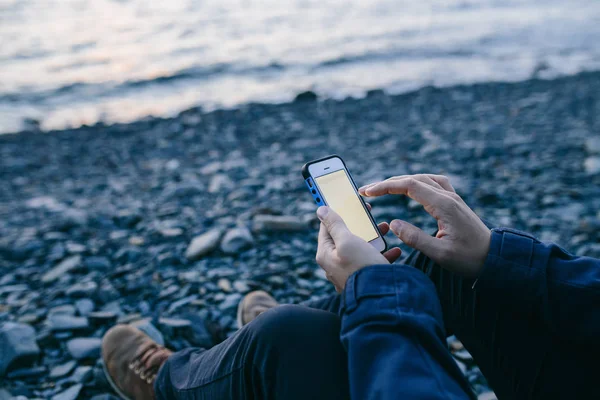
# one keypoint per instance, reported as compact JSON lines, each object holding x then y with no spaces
{"x":433,"y":180}
{"x":413,"y":188}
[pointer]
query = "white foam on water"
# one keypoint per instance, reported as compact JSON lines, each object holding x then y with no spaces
{"x":68,"y":62}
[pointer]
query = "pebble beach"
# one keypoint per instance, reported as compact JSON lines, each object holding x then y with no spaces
{"x":167,"y":222}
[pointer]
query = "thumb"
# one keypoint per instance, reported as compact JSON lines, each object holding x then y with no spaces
{"x":417,"y":239}
{"x":333,"y":222}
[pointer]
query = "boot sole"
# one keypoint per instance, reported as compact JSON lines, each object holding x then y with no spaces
{"x":113,"y":384}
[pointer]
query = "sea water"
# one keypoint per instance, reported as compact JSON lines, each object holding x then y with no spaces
{"x":72,"y":62}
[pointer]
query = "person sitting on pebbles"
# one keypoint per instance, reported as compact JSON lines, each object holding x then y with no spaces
{"x":527,"y":311}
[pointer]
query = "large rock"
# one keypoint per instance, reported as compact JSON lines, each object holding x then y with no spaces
{"x":278,"y":223}
{"x":18,"y":346}
{"x":64,"y":267}
{"x":307,"y":96}
{"x":203,"y":244}
{"x":236,"y":239}
{"x":84,"y":348}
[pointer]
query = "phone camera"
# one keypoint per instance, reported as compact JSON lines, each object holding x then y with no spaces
{"x":318,"y":200}
{"x":314,"y":191}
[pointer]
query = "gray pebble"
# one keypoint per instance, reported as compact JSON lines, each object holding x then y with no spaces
{"x":231,"y":301}
{"x":592,"y":165}
{"x":203,"y":244}
{"x":84,"y":306}
{"x":278,"y":223}
{"x":82,"y":374}
{"x":62,"y":268}
{"x":84,"y":348}
{"x":83,"y":289}
{"x":145,"y":325}
{"x":224,"y":285}
{"x":102,"y":317}
{"x":65,"y":309}
{"x":241,"y":286}
{"x":62,"y":322}
{"x":220,"y":183}
{"x":104,"y":396}
{"x":70,"y":394}
{"x":236,"y":240}
{"x":63,"y":369}
{"x":97,"y":263}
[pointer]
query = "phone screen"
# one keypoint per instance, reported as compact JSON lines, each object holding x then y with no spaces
{"x":339,"y":194}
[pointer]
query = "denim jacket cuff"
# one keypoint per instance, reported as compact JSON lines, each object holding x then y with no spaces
{"x":412,"y":291}
{"x":372,"y":281}
{"x":510,"y":264}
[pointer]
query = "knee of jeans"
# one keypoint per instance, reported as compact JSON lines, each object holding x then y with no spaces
{"x":287,"y":324}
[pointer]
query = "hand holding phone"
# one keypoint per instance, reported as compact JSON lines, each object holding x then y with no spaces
{"x":349,"y":239}
{"x":341,"y":253}
{"x":331,"y":185}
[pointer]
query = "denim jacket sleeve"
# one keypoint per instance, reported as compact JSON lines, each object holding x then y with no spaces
{"x":393,"y":332}
{"x":560,"y":289}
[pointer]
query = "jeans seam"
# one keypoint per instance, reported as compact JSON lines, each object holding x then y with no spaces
{"x":213,"y":380}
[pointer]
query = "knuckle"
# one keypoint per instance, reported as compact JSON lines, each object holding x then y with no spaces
{"x":411,"y":238}
{"x":411,"y":183}
{"x":451,"y":205}
{"x":319,"y":257}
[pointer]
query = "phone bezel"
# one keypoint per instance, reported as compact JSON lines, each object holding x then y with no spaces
{"x":333,"y":163}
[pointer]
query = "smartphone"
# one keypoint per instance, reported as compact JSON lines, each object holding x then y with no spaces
{"x":331,"y":184}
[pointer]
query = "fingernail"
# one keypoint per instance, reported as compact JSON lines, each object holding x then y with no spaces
{"x":322,"y":212}
{"x":396,"y":226}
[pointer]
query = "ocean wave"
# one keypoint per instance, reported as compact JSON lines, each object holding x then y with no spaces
{"x":106,"y":89}
{"x":397,"y":54}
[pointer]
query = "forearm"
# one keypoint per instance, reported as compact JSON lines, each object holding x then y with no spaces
{"x":392,"y":329}
{"x":562,"y":290}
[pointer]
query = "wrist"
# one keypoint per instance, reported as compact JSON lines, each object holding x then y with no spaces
{"x":485,"y":250}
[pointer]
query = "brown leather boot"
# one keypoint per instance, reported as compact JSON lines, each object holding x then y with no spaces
{"x":131,"y":362}
{"x":252,"y":305}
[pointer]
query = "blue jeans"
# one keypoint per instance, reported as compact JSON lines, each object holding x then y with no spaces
{"x":294,"y":352}
{"x":289,"y":352}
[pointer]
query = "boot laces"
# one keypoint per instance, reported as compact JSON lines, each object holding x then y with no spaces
{"x":140,"y":366}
